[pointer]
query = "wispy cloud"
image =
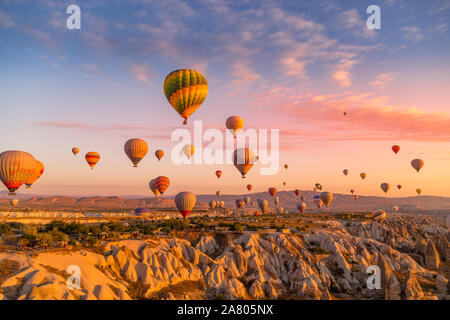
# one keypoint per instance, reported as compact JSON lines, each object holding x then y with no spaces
{"x":412,"y":33}
{"x":383,"y":80}
{"x":141,"y":72}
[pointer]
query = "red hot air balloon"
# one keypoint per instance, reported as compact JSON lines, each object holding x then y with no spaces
{"x":218,"y":173}
{"x":272,"y":191}
{"x":161,"y":184}
{"x":399,"y":186}
{"x":297,"y":192}
{"x":396,"y":148}
{"x":249,"y":187}
{"x":356,"y":197}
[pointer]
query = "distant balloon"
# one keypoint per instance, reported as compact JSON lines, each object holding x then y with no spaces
{"x":153,"y":188}
{"x":243,"y":159}
{"x":396,"y":148}
{"x":317,"y":201}
{"x":280,"y":210}
{"x":318,"y":186}
{"x":222,"y":204}
{"x":356,"y":197}
{"x":14,"y":202}
{"x":276,"y":201}
{"x":185,"y":90}
{"x":234,"y":124}
{"x":395,"y":208}
{"x":141,"y":210}
{"x":379,"y":216}
{"x":297,"y":192}
{"x":302,"y":198}
{"x":75,"y":150}
{"x":419,"y":191}
{"x":399,"y":186}
{"x":301,"y":206}
{"x":136,"y":149}
{"x":161,"y":183}
{"x":16,"y":167}
{"x":417,"y":164}
{"x":218,"y":194}
{"x":247,"y":200}
{"x":363,"y":175}
{"x":249,"y":187}
{"x":240,"y":203}
{"x":326,"y":198}
{"x":212,"y":204}
{"x":345,"y":113}
{"x":352,"y":191}
{"x":38,"y":171}
{"x":385,"y":187}
{"x":252,"y":203}
{"x":92,"y":158}
{"x":286,"y":166}
{"x":185,"y":202}
{"x":315,"y":189}
{"x":159,"y":154}
{"x":263,"y":204}
{"x":345,"y":172}
{"x":188,"y":150}
{"x":218,"y":173}
{"x":272,"y":191}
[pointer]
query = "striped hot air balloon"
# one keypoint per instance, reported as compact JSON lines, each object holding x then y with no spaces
{"x":159,"y":154}
{"x":263,"y":205}
{"x":16,"y":168}
{"x":301,"y":206}
{"x":218,"y":173}
{"x":317,"y":201}
{"x":243,"y":159}
{"x":188,"y":150}
{"x":212,"y":204}
{"x":240,"y":203}
{"x":92,"y":158}
{"x":161,"y":183}
{"x":326,"y":198}
{"x":297,"y":192}
{"x":185,"y":90}
{"x":379,"y":216}
{"x":185,"y":202}
{"x":38,"y":171}
{"x":153,"y":188}
{"x":272,"y":191}
{"x":136,"y":149}
{"x":234,"y":124}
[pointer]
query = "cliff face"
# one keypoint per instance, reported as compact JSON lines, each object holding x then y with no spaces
{"x":322,"y":264}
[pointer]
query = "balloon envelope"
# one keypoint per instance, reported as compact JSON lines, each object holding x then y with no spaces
{"x":185,"y":202}
{"x":379,"y":216}
{"x":417,"y":164}
{"x":326,"y":198}
{"x":396,"y":148}
{"x":272,"y":191}
{"x":263,"y":205}
{"x":75,"y":150}
{"x":188,"y":150}
{"x":345,"y":172}
{"x":161,"y":183}
{"x":16,"y":167}
{"x":385,"y":187}
{"x":218,"y":173}
{"x":249,"y":187}
{"x":153,"y":188}
{"x":218,"y":194}
{"x":135,"y":149}
{"x":301,"y":206}
{"x":234,"y":124}
{"x":159,"y":154}
{"x":14,"y":202}
{"x":38,"y":171}
{"x":363,"y":175}
{"x":419,"y":191}
{"x":297,"y":192}
{"x":243,"y":159}
{"x":92,"y":158}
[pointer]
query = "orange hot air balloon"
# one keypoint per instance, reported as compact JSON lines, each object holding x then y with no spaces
{"x":284,"y":183}
{"x":249,"y":187}
{"x":363,"y":175}
{"x":185,"y":202}
{"x":352,"y":191}
{"x":188,"y":150}
{"x":345,"y":172}
{"x":286,"y":166}
{"x":385,"y":187}
{"x":235,"y":124}
{"x":14,"y":202}
{"x":243,"y":159}
{"x":417,"y":164}
{"x":92,"y":158}
{"x":218,"y":173}
{"x":419,"y":191}
{"x":136,"y":149}
{"x":396,"y":148}
{"x":159,"y":154}
{"x":75,"y":150}
{"x":272,"y":191}
{"x":297,"y":192}
{"x":326,"y":198}
{"x":356,"y":197}
{"x":16,"y":167}
{"x":399,"y":186}
{"x":301,"y":206}
{"x":153,"y":188}
{"x":161,"y":183}
{"x":240,"y":203}
{"x":263,"y":205}
{"x":38,"y":171}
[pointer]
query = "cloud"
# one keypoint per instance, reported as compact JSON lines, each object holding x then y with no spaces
{"x":351,"y":19}
{"x":6,"y":20}
{"x":440,"y":28}
{"x":141,"y":72}
{"x":412,"y":33}
{"x":342,"y":74}
{"x":383,"y":80}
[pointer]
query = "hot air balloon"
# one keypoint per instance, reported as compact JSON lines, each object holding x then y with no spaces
{"x":276,"y":201}
{"x":395,"y":208}
{"x":243,"y":159}
{"x":286,"y":166}
{"x":159,"y":154}
{"x":153,"y":188}
{"x":263,"y":204}
{"x":318,"y":186}
{"x":135,"y":149}
{"x":234,"y":124}
{"x":249,"y":187}
{"x":161,"y":183}
{"x":419,"y":191}
{"x":284,"y":183}
{"x":222,"y":204}
{"x":218,"y":194}
{"x":75,"y":150}
{"x":14,"y":202}
{"x":257,"y":213}
{"x":272,"y":191}
{"x":247,"y":200}
{"x":16,"y":167}
{"x":212,"y":204}
{"x":399,"y":186}
{"x":363,"y":175}
{"x":141,"y":211}
{"x":239,"y":203}
{"x":385,"y":187}
{"x":38,"y":171}
{"x":301,"y":206}
{"x":188,"y":150}
{"x":185,"y":90}
{"x":297,"y":192}
{"x":317,"y":201}
{"x":396,"y":148}
{"x":417,"y":164}
{"x":302,"y":198}
{"x":218,"y":173}
{"x":92,"y":158}
{"x":326,"y":198}
{"x":280,"y":210}
{"x":379,"y":216}
{"x":345,"y":172}
{"x":315,"y":189}
{"x":352,"y":191}
{"x":356,"y":197}
{"x":252,"y":203}
{"x":185,"y":202}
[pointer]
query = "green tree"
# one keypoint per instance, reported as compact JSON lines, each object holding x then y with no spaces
{"x":45,"y":239}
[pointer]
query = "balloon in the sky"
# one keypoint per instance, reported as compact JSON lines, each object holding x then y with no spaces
{"x":315,"y":189}
{"x":399,"y":186}
{"x":75,"y":150}
{"x":379,"y":216}
{"x":345,"y":172}
{"x":161,"y":183}
{"x":222,"y":204}
{"x":419,"y":191}
{"x":252,"y":203}
{"x":218,"y":173}
{"x":297,"y":192}
{"x":218,"y":194}
{"x":286,"y":166}
{"x":352,"y":191}
{"x":284,"y":183}
{"x":159,"y":154}
{"x":263,"y":204}
{"x":276,"y":201}
{"x":302,"y":198}
{"x":249,"y":187}
{"x":38,"y":171}
{"x":153,"y":188}
{"x":185,"y":90}
{"x":280,"y":210}
{"x":417,"y":164}
{"x":141,"y":210}
{"x":135,"y":149}
{"x":317,"y":201}
{"x":318,"y":186}
{"x":243,"y":159}
{"x":240,"y":203}
{"x":247,"y":200}
{"x":212,"y":204}
{"x":92,"y":158}
{"x":356,"y":197}
{"x":385,"y":187}
{"x":188,"y":150}
{"x":14,"y":202}
{"x":396,"y":148}
{"x":235,"y":124}
{"x":395,"y":208}
{"x":326,"y":198}
{"x":185,"y":202}
{"x":363,"y":175}
{"x":272,"y":191}
{"x":16,"y":167}
{"x":301,"y":206}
